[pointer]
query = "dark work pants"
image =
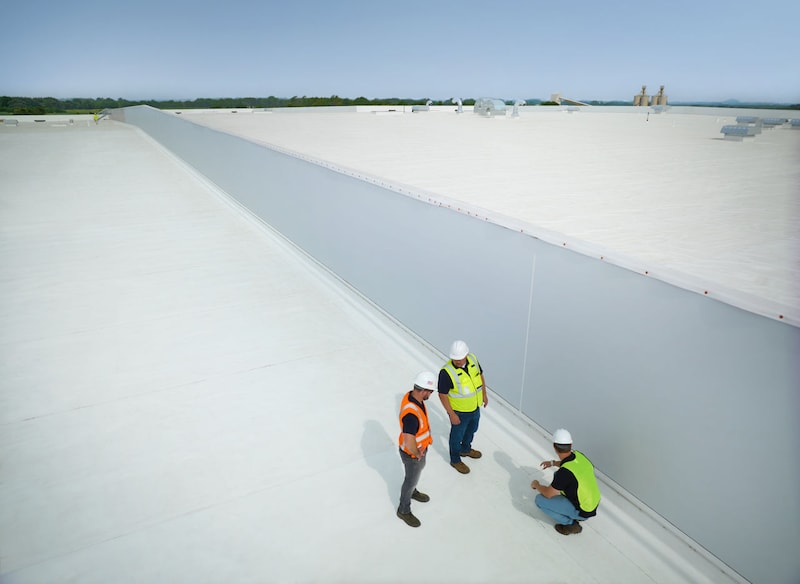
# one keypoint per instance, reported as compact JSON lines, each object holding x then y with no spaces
{"x":461,"y":434}
{"x":413,"y":468}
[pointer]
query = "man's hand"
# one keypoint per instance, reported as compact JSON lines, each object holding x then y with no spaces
{"x":454,"y":419}
{"x":535,"y":485}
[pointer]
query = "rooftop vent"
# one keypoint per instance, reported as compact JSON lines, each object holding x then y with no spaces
{"x":490,"y":107}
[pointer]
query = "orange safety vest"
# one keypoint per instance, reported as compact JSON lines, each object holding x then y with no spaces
{"x":424,"y":438}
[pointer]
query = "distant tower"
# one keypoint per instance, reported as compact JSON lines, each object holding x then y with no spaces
{"x":642,"y":99}
{"x":660,"y":99}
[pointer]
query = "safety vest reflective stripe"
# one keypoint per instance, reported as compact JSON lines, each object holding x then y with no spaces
{"x":466,"y":394}
{"x":588,"y":491}
{"x":421,"y":436}
{"x":461,"y":391}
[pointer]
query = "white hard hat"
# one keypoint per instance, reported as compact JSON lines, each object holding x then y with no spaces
{"x":426,"y":380}
{"x":458,"y":350}
{"x":561,"y":436}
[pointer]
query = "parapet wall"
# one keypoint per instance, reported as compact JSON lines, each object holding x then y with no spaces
{"x":671,"y":394}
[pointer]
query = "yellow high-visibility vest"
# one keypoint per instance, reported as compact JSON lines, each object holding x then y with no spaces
{"x":467,"y":392}
{"x":588,"y":491}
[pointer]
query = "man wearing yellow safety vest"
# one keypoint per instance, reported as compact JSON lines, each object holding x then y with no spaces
{"x":462,"y":391}
{"x":573,"y":495}
{"x":415,"y":437}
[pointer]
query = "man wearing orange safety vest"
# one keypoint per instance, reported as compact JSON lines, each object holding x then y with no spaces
{"x":415,"y":437}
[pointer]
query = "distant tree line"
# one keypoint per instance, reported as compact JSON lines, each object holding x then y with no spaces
{"x":51,"y":105}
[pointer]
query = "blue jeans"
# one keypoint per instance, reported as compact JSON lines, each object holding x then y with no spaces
{"x":461,"y":434}
{"x":413,"y":468}
{"x":559,"y":508}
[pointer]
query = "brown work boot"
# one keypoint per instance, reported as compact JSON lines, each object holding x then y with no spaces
{"x":460,"y":467}
{"x":421,"y":497}
{"x":409,"y":519}
{"x":574,"y":527}
{"x":472,"y":453}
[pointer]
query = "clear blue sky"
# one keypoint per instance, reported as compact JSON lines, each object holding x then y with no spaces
{"x":176,"y":49}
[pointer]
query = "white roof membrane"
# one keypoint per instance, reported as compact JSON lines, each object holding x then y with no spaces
{"x":184,"y":397}
{"x":661,"y":193}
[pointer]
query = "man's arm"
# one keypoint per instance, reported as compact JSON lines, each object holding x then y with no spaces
{"x":451,"y":413}
{"x":485,"y":393}
{"x":410,"y":442}
{"x":546,"y":490}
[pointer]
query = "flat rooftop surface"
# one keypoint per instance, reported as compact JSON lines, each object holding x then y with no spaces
{"x":185,"y":397}
{"x":663,"y":193}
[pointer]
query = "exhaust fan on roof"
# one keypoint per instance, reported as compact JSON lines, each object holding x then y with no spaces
{"x":490,"y":107}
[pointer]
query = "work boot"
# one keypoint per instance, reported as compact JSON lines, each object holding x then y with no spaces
{"x":472,"y":453}
{"x":409,"y":518}
{"x":460,"y":467}
{"x":574,"y":527}
{"x":421,"y":497}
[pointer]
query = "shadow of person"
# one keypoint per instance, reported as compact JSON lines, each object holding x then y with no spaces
{"x":378,"y":446}
{"x":519,"y":485}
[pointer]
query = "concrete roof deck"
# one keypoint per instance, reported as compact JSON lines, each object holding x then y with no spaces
{"x":658,"y":192}
{"x":165,"y":413}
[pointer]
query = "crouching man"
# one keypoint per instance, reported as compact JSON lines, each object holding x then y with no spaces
{"x":573,"y":496}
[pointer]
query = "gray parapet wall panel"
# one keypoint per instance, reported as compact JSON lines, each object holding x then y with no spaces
{"x":690,"y":404}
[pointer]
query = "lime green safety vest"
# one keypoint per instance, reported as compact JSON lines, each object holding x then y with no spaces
{"x":588,"y":492}
{"x":467,"y":392}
